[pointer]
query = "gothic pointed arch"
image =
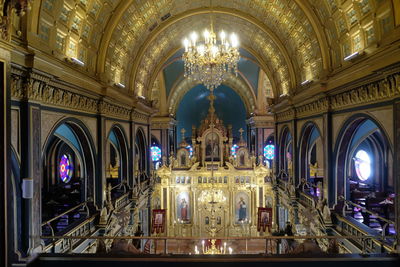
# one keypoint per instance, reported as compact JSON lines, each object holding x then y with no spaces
{"x":310,"y":153}
{"x":117,"y":158}
{"x":68,"y":174}
{"x":373,"y":171}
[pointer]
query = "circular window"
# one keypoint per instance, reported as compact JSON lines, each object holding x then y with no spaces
{"x":66,"y":169}
{"x":155,"y":153}
{"x":362,"y":164}
{"x":269,"y":152}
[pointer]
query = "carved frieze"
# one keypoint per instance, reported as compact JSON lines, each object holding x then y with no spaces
{"x":139,"y":116}
{"x":318,"y":106}
{"x":285,"y":115}
{"x":37,"y":87}
{"x":114,"y":110}
{"x":384,"y":89}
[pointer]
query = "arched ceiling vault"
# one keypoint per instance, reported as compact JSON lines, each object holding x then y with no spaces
{"x":236,"y":83}
{"x":252,"y":38}
{"x":262,"y":14}
{"x":294,"y":39}
{"x":259,"y":62}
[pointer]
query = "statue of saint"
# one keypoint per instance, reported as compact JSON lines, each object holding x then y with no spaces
{"x":171,"y":160}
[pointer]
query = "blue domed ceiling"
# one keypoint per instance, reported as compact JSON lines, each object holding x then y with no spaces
{"x":195,"y":104}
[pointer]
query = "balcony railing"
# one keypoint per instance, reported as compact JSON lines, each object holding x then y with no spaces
{"x":268,"y":245}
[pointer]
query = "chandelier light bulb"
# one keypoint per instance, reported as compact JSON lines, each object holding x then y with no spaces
{"x":222,"y":36}
{"x":193,"y":36}
{"x":234,"y":40}
{"x":206,"y":35}
{"x":186,"y":44}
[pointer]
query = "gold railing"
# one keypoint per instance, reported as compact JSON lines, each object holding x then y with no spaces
{"x":242,"y":245}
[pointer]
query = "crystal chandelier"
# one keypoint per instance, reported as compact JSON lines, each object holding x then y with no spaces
{"x":212,"y":196}
{"x":210,"y":61}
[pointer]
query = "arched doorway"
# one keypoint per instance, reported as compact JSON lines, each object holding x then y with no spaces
{"x":311,"y":159}
{"x":363,"y":170}
{"x":117,"y":161}
{"x":286,"y":153}
{"x":68,"y":176}
{"x":141,"y":158}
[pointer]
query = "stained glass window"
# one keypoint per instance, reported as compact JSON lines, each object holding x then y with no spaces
{"x":362,"y":164}
{"x":190,"y":148}
{"x":66,"y":169}
{"x":233,"y":150}
{"x":155,"y":153}
{"x":269,"y":151}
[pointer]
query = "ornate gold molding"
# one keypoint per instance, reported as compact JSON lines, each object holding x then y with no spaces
{"x":163,"y":123}
{"x":38,"y":87}
{"x":138,"y":116}
{"x":114,"y":110}
{"x":373,"y":92}
{"x":317,"y":106}
{"x":9,"y":9}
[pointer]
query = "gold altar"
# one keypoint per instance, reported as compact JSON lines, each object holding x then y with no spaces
{"x":214,"y":189}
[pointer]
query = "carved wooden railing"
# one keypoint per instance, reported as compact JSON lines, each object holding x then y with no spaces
{"x":121,"y":201}
{"x":307,"y":200}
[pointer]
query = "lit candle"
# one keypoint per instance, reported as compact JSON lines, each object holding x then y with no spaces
{"x":222,"y":36}
{"x":234,"y":40}
{"x":206,"y":35}
{"x":186,"y":44}
{"x":202,"y":245}
{"x":224,"y":247}
{"x":193,"y":36}
{"x":230,"y":250}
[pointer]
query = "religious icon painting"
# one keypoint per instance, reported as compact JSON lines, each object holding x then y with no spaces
{"x":199,"y":180}
{"x":242,"y":207}
{"x":156,"y":203}
{"x":158,"y":221}
{"x":183,"y":212}
{"x":264,"y":219}
{"x":212,"y":146}
{"x":268,"y":202}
